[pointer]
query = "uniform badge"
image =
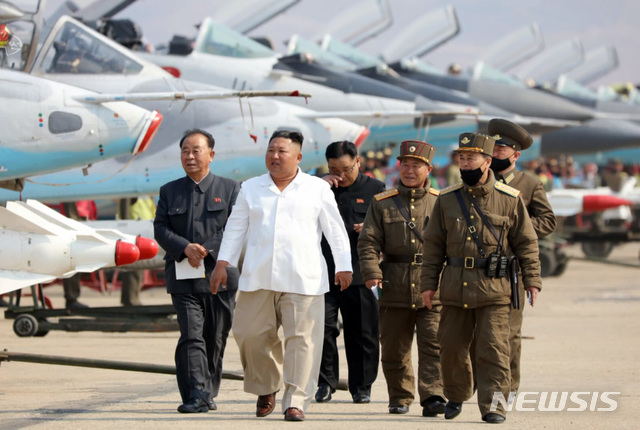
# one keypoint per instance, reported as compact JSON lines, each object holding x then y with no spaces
{"x":217,"y":200}
{"x":412,"y":149}
{"x":465,"y":140}
{"x":359,"y":200}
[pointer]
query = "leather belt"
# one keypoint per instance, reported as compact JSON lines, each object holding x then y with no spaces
{"x":467,"y":262}
{"x":395,"y":258}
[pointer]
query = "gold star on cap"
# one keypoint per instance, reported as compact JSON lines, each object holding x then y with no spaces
{"x":412,"y":149}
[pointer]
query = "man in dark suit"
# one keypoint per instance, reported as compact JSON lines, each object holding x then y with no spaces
{"x":190,"y":218}
{"x":354,"y":192}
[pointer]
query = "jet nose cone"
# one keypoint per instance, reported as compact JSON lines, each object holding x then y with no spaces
{"x":148,"y":247}
{"x":126,"y":253}
{"x":601,"y":202}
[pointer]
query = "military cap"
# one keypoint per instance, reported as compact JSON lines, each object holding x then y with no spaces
{"x":507,"y":133}
{"x":476,"y":142}
{"x":417,"y":149}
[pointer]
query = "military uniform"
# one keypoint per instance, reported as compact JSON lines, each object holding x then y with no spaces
{"x":402,"y":311}
{"x":472,"y":302}
{"x":542,"y":219}
{"x":357,"y":305}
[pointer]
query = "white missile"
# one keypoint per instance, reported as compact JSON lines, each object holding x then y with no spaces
{"x":137,"y":228}
{"x":33,"y":249}
{"x":568,"y":202}
{"x":148,"y":247}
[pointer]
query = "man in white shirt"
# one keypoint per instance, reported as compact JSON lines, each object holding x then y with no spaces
{"x":282,"y":215}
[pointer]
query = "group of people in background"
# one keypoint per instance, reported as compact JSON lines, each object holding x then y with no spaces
{"x":554,"y":172}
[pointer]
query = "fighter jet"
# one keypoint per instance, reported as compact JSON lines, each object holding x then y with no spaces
{"x":227,"y":58}
{"x":241,"y":131}
{"x":48,"y":126}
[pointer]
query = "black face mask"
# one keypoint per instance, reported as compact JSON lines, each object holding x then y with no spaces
{"x":471,"y":177}
{"x":498,"y":165}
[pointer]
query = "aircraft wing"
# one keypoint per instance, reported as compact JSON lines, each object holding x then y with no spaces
{"x":184,"y":95}
{"x":12,"y":280}
{"x":386,"y":114}
{"x":533,"y":125}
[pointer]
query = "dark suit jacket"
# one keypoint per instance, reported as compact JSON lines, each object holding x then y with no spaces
{"x":353,"y":202}
{"x":188,"y":213}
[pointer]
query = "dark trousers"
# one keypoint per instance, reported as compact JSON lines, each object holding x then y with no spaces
{"x":71,"y":288}
{"x":359,"y":310}
{"x":205,"y":321}
{"x":131,"y":286}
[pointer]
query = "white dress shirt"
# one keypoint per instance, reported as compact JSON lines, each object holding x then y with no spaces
{"x":283,"y":231}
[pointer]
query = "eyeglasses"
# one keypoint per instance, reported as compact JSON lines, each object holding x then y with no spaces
{"x":345,"y":171}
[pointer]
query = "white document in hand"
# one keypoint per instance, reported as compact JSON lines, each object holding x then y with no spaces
{"x":184,"y":270}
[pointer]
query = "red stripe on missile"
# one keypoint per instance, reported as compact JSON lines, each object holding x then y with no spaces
{"x":601,"y":202}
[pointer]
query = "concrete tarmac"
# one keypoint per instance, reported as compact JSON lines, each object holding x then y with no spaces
{"x":582,"y":336}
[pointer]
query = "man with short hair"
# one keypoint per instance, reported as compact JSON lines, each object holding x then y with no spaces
{"x":353,"y":192}
{"x":190,"y":219}
{"x":476,"y":227}
{"x":394,"y":226}
{"x":283,"y":215}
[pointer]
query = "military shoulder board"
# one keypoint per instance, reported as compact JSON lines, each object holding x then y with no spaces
{"x":507,"y":189}
{"x":386,"y":194}
{"x":451,"y":188}
{"x":434,"y":191}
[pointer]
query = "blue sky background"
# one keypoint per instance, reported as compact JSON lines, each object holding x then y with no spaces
{"x":597,"y":23}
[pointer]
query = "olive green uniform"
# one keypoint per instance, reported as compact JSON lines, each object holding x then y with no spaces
{"x":473,"y":302}
{"x":402,"y":311}
{"x":544,"y":223}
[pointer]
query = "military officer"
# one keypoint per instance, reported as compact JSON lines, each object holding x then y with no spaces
{"x":510,"y":140}
{"x":473,"y":223}
{"x":394,"y":226}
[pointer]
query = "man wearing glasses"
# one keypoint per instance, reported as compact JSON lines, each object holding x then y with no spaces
{"x":353,"y":191}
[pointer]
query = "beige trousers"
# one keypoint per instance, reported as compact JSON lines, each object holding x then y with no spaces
{"x":258,"y":316}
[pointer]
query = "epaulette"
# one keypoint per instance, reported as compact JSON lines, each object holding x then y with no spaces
{"x":434,"y":191}
{"x":451,"y":188}
{"x":386,"y":194}
{"x":507,"y":189}
{"x":509,"y":178}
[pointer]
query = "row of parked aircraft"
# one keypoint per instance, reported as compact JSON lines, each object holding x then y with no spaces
{"x":89,"y":118}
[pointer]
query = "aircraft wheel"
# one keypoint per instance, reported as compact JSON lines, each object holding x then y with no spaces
{"x":597,"y":249}
{"x":41,"y":331}
{"x":25,"y":325}
{"x":548,"y":262}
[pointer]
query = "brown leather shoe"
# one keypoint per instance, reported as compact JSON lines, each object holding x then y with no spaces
{"x":294,"y":414}
{"x":265,"y":405}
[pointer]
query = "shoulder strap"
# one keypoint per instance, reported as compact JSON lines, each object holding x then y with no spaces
{"x":484,"y":217}
{"x":405,"y":215}
{"x":470,"y":226}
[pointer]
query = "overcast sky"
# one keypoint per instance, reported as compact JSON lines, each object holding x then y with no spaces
{"x":596,"y":22}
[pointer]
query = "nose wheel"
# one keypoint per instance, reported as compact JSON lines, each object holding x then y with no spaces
{"x":25,"y":325}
